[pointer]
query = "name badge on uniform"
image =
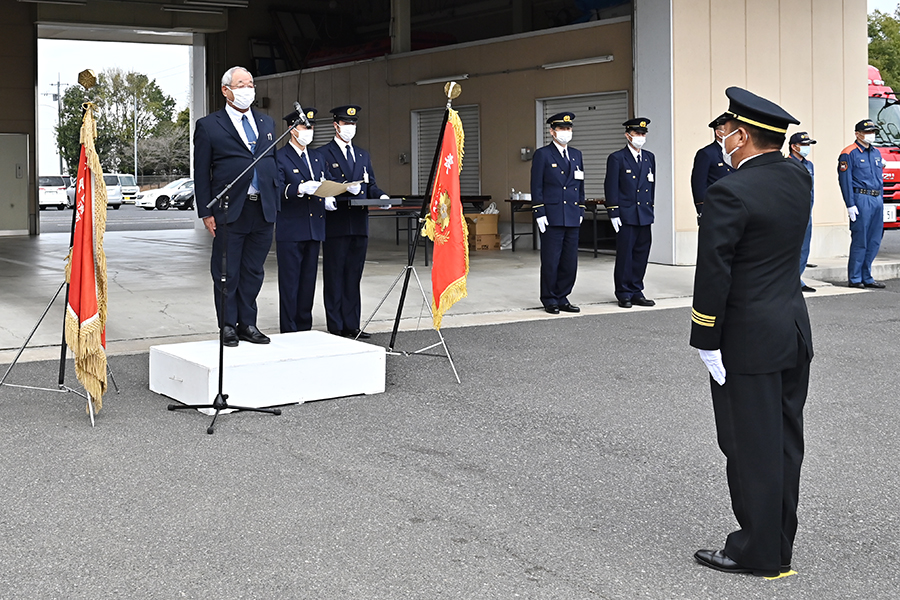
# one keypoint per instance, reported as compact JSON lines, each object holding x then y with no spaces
{"x":553,"y":165}
{"x":296,"y":170}
{"x":628,"y":170}
{"x":650,"y":176}
{"x":334,"y":165}
{"x":579,"y":174}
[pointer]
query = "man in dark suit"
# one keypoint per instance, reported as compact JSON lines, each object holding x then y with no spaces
{"x":557,"y":195}
{"x":630,"y":189}
{"x":749,"y":322}
{"x":709,"y":165}
{"x":224,"y":145}
{"x":347,"y":227}
{"x":300,"y":227}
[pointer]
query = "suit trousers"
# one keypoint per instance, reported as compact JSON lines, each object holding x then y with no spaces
{"x":559,"y":263}
{"x":298,"y":264}
{"x":759,"y":423}
{"x":865,"y":238}
{"x":247,"y":241}
{"x":343,"y":259}
{"x":632,"y":254}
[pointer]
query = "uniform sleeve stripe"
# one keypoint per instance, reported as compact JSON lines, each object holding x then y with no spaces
{"x":701,"y":319}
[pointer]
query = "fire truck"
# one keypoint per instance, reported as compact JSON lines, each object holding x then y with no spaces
{"x":884,"y":109}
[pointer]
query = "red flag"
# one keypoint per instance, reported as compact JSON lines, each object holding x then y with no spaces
{"x":446,"y":226}
{"x":86,"y":309}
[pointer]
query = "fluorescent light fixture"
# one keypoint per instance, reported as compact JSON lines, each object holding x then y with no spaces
{"x":579,"y":62}
{"x":191,"y":9}
{"x":220,"y":3}
{"x":64,"y":2}
{"x":462,"y":77}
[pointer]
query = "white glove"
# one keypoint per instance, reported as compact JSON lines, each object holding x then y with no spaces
{"x":616,"y":223}
{"x":330,"y":203}
{"x":852,"y":212}
{"x":385,"y":206}
{"x":542,"y":224}
{"x":307,"y":187}
{"x":580,"y":220}
{"x":354,"y":189}
{"x":713,"y":361}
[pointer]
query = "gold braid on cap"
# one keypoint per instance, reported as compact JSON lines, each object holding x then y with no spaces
{"x":756,"y":123}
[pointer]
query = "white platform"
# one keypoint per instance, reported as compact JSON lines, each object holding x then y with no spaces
{"x":295,"y":367}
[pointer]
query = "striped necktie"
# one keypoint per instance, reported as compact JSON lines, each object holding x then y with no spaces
{"x":251,"y":137}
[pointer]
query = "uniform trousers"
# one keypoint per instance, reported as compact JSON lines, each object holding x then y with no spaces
{"x":247,"y":241}
{"x":865,"y":238}
{"x":632,"y":254}
{"x":804,"y":249}
{"x":298,"y":263}
{"x":759,"y":424}
{"x":559,"y":263}
{"x":343,"y":259}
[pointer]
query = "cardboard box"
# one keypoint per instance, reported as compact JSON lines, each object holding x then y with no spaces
{"x":483,"y":242}
{"x":480,"y":224}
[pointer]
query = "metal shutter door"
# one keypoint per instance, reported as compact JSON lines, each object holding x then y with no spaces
{"x":426,"y":124}
{"x":597,"y":132}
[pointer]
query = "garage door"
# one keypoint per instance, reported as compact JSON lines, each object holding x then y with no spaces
{"x":425,"y":127}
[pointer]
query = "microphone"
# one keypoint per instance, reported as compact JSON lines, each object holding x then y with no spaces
{"x":300,"y":112}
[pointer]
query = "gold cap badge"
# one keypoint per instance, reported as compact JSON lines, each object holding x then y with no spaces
{"x":351,"y":111}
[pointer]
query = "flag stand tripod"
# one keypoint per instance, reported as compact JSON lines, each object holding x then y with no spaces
{"x":452,"y":90}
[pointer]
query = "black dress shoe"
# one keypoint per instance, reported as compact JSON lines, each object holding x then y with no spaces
{"x":875,"y":284}
{"x":569,"y":308}
{"x":643,"y":301}
{"x":716,"y":559}
{"x":859,"y":285}
{"x":253,"y":335}
{"x":810,"y":266}
{"x":806,"y":288}
{"x":625,"y":303}
{"x":229,"y":335}
{"x":356,"y":334}
{"x":552,"y":309}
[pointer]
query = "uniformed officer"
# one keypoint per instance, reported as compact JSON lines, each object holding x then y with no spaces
{"x":860,"y":176}
{"x":347,"y":227}
{"x":300,"y":226}
{"x":630,"y":189}
{"x":557,"y":195}
{"x":709,"y":166}
{"x":801,"y":145}
{"x":750,"y":323}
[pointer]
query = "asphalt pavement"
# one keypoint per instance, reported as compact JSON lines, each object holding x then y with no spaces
{"x":577,"y":459}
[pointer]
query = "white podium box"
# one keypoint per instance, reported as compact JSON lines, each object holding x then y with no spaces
{"x":293,"y":368}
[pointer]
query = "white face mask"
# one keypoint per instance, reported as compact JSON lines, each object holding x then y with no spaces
{"x":804,"y":151}
{"x":638,"y":141}
{"x":346,"y":132}
{"x":563,"y":136}
{"x":243,"y":97}
{"x":303,"y":136}
{"x":869,"y":138}
{"x":726,"y":156}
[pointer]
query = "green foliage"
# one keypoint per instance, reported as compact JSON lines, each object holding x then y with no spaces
{"x":124,"y":101}
{"x":884,"y":45}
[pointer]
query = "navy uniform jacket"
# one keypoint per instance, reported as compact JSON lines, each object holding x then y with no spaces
{"x":859,"y":168}
{"x":556,"y":192}
{"x":709,"y":167}
{"x":630,"y":187}
{"x":746,"y":298}
{"x":348,"y":220}
{"x":302,"y":218}
{"x":220,"y":155}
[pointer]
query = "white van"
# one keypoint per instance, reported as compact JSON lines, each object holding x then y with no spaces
{"x":113,"y":191}
{"x":130,"y":189}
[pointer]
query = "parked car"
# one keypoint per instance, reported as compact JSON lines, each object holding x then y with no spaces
{"x":113,"y":191}
{"x":52,"y":191}
{"x":183,"y":200}
{"x":159,"y":199}
{"x":130,"y":188}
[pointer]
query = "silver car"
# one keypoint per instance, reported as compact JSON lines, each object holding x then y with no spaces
{"x":52,"y":191}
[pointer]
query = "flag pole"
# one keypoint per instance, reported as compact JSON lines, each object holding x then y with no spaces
{"x":426,"y":203}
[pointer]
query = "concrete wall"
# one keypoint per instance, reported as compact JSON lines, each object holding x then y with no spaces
{"x":505,"y":81}
{"x":809,"y":56}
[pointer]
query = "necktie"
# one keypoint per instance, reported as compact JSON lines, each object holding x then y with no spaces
{"x":350,"y":160}
{"x":566,"y":158}
{"x":251,"y":137}
{"x":308,"y":164}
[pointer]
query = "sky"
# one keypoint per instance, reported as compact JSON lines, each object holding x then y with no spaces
{"x":885,"y":6}
{"x":62,"y":60}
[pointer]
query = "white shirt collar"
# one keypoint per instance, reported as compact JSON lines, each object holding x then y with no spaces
{"x":344,"y":145}
{"x":634,"y":153}
{"x":748,"y":158}
{"x":559,"y":147}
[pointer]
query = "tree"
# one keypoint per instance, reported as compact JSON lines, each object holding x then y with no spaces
{"x":884,"y":45}
{"x":116,"y":96}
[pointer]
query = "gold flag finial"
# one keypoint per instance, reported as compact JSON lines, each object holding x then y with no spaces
{"x":452,"y":90}
{"x":87,"y":79}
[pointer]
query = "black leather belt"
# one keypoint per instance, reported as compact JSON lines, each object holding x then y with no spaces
{"x":867,"y":192}
{"x":252,"y":197}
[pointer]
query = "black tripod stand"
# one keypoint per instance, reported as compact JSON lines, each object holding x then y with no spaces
{"x":220,"y":402}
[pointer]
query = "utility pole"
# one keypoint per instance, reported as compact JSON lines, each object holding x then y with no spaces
{"x":58,"y":98}
{"x":135,"y":140}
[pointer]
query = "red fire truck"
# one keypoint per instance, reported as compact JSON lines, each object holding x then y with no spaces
{"x":884,"y":109}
